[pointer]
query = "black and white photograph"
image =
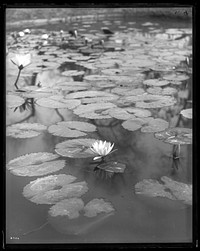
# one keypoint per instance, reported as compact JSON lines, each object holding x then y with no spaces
{"x":98,"y":125}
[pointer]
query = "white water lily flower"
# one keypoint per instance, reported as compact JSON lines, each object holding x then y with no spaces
{"x":22,"y":60}
{"x":101,"y":148}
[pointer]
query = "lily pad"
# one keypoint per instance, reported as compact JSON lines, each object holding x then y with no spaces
{"x":13,"y":101}
{"x":71,"y":129}
{"x":175,"y":136}
{"x":170,"y":189}
{"x":128,"y":91}
{"x":187,"y":113}
{"x":38,"y":169}
{"x":162,"y":91}
{"x":113,"y":167}
{"x":47,"y":183}
{"x":93,"y":107}
{"x":76,"y":148}
{"x":120,"y":113}
{"x":155,"y":125}
{"x":84,"y":94}
{"x":31,"y":159}
{"x":57,"y":102}
{"x":97,"y":206}
{"x":25,"y":130}
{"x":66,"y":191}
{"x":158,"y":102}
{"x":176,"y":77}
{"x":69,"y":216}
{"x":73,"y":73}
{"x":147,"y":124}
{"x":67,"y":207}
{"x":155,"y":82}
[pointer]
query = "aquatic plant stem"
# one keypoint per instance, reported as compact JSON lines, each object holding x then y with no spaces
{"x":15,"y":84}
{"x":36,"y":229}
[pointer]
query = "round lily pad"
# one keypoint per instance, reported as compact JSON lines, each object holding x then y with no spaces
{"x":97,"y":206}
{"x":155,"y":125}
{"x":31,"y":159}
{"x":155,"y":82}
{"x":67,"y":207}
{"x":25,"y":130}
{"x":39,"y":169}
{"x":176,"y":77}
{"x":47,"y":183}
{"x":169,"y":188}
{"x":57,"y":102}
{"x":176,"y":136}
{"x":157,"y":102}
{"x":69,"y":216}
{"x":71,"y":129}
{"x":76,"y":148}
{"x":93,"y":107}
{"x":66,"y":191}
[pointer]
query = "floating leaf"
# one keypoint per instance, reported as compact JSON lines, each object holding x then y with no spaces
{"x":93,"y":107}
{"x":31,"y":159}
{"x":112,"y":167}
{"x":176,"y":135}
{"x":155,"y":125}
{"x":38,"y":169}
{"x":157,"y":102}
{"x":162,"y":91}
{"x":128,"y":91}
{"x":171,"y":189}
{"x":13,"y":101}
{"x":73,"y":73}
{"x":58,"y":102}
{"x":187,"y":113}
{"x":155,"y":82}
{"x":133,"y":125}
{"x":147,"y":124}
{"x":84,"y":94}
{"x":66,"y":191}
{"x":76,"y":148}
{"x":67,"y":207}
{"x":176,"y":77}
{"x":71,"y":129}
{"x":47,"y":183}
{"x":141,"y":113}
{"x":119,"y":113}
{"x":97,"y":206}
{"x":25,"y":130}
{"x":67,"y":217}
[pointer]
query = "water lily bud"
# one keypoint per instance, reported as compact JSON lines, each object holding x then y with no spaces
{"x":21,"y":34}
{"x":27,"y":31}
{"x":21,"y":60}
{"x":45,"y":36}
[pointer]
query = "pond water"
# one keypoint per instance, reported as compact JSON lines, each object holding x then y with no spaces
{"x":145,"y":184}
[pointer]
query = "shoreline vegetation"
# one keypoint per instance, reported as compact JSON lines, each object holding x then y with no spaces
{"x":19,"y":17}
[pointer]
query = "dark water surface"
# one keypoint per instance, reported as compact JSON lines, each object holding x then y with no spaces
{"x":137,"y":218}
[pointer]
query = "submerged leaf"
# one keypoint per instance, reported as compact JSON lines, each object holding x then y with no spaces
{"x":171,"y":189}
